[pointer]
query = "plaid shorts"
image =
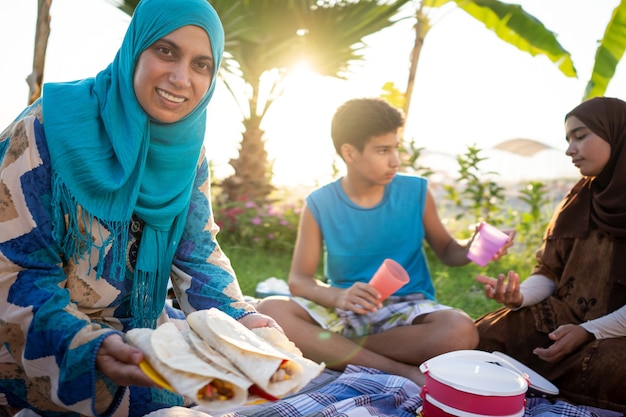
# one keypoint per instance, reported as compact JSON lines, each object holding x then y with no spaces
{"x":396,"y":311}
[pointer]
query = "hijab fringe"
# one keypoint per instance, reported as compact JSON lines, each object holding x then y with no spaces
{"x":145,"y":303}
{"x":151,"y":277}
{"x":73,"y":227}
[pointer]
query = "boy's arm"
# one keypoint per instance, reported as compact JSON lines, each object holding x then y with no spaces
{"x":360,"y":297}
{"x":306,"y":258}
{"x":450,"y":251}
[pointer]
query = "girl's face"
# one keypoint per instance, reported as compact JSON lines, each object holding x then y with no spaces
{"x":174,"y":73}
{"x":589,"y":152}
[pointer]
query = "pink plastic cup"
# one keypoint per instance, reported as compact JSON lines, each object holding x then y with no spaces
{"x":486,"y":244}
{"x":389,"y":278}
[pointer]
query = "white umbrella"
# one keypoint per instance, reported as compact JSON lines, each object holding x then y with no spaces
{"x":523,"y":147}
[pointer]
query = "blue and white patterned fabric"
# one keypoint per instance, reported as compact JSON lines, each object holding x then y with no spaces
{"x":56,"y":310}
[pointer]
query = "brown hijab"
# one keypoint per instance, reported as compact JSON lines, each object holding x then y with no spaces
{"x":599,"y":200}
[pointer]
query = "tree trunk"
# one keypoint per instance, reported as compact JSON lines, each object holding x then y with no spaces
{"x":422,"y":26}
{"x":42,"y":33}
{"x":252,"y":178}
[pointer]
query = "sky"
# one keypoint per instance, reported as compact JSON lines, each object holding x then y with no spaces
{"x":471,"y":88}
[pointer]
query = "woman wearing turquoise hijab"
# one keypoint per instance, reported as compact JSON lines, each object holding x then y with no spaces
{"x":104,"y":199}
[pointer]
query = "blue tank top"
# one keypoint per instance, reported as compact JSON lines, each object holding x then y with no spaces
{"x":357,"y":240}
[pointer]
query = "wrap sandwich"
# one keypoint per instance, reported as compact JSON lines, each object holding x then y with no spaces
{"x":255,"y":394}
{"x":167,"y":351}
{"x":274,"y":371}
{"x":279,"y":341}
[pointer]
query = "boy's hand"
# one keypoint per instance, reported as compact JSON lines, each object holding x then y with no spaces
{"x":361,"y":298}
{"x":504,"y":249}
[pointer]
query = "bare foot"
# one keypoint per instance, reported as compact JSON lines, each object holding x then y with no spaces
{"x":414,"y":374}
{"x":419,"y":378}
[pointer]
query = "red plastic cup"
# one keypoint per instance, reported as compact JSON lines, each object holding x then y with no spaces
{"x":389,"y":278}
{"x":486,"y":244}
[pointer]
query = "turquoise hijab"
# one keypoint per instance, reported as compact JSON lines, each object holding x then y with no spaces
{"x":110,"y":158}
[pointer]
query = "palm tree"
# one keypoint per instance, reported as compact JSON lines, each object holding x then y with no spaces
{"x":266,"y":40}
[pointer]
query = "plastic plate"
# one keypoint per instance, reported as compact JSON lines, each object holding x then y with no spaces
{"x":154,"y":375}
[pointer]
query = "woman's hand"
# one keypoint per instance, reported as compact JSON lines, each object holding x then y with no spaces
{"x":567,"y":338}
{"x":504,"y":290}
{"x":361,"y":298}
{"x":256,"y":320}
{"x":120,"y":362}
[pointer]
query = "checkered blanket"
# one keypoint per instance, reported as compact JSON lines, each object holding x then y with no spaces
{"x":357,"y":392}
{"x":362,"y":392}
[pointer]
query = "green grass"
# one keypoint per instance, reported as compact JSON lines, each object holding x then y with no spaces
{"x":454,"y":286}
{"x":253,"y":265}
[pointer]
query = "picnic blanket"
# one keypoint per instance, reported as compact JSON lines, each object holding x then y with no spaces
{"x":359,"y":391}
{"x":363,"y":392}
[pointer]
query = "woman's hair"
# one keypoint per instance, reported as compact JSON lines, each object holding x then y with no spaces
{"x":358,"y":120}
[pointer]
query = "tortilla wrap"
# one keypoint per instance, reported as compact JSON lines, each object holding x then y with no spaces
{"x":167,"y":351}
{"x":281,"y":342}
{"x":271,"y":370}
{"x":210,"y":355}
{"x":255,"y":394}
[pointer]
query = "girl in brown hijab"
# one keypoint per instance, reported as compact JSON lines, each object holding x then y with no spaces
{"x":567,"y":320}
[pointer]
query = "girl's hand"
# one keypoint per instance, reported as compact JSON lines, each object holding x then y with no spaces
{"x":504,"y":290}
{"x":361,"y":298}
{"x":567,"y":338}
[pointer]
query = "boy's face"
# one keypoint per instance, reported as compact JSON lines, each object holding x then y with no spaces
{"x":379,"y":161}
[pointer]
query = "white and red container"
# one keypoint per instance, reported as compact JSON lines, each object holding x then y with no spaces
{"x":471,"y":384}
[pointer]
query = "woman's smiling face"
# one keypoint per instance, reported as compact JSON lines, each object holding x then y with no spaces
{"x":174,"y":73}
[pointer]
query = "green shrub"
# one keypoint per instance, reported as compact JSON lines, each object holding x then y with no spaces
{"x":262,"y":226}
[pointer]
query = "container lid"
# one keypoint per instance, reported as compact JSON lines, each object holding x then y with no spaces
{"x":537,"y":384}
{"x":476,"y":377}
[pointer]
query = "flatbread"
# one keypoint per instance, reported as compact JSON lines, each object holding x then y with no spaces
{"x":274,"y":371}
{"x":281,"y":342}
{"x":210,"y":355}
{"x":167,"y":351}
